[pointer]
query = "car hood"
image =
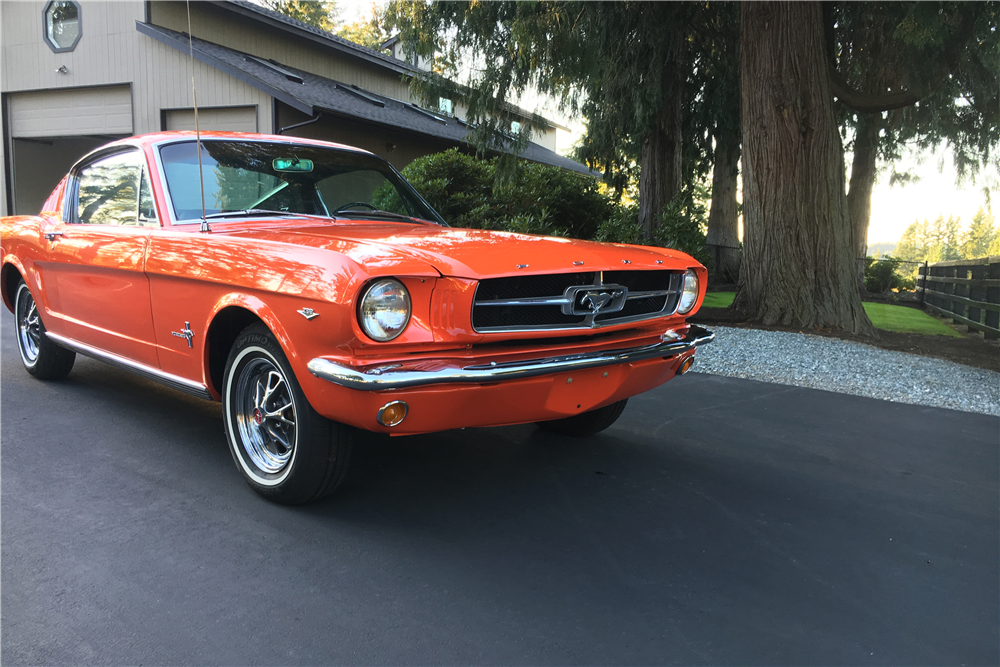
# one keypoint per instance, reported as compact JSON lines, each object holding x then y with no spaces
{"x":469,"y":253}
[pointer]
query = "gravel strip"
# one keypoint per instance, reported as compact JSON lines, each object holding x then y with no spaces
{"x":804,"y":360}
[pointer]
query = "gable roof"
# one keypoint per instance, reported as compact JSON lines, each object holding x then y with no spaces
{"x":313,"y":94}
{"x":284,"y":23}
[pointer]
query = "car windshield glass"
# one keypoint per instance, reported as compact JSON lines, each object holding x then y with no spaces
{"x":242,"y":176}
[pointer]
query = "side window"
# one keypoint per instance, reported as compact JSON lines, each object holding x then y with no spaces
{"x":108,"y":191}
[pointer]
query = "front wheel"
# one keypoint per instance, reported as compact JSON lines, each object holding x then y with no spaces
{"x":40,"y":356}
{"x":587,"y":423}
{"x":285,"y":450}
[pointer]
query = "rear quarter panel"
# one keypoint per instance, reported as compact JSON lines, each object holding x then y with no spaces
{"x":22,"y":249}
{"x":22,"y":246}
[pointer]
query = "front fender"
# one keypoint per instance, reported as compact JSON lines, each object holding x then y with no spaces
{"x":259,"y":308}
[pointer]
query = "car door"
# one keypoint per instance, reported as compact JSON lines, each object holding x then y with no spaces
{"x":93,"y":270}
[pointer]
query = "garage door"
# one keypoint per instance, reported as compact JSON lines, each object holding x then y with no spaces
{"x":105,"y":110}
{"x":220,"y":119}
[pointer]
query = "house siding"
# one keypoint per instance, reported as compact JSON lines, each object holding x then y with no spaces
{"x":112,"y":54}
{"x":228,"y":29}
{"x":111,"y":51}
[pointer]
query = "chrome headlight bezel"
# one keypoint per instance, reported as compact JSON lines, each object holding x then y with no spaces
{"x":689,"y":293}
{"x":376,"y":300}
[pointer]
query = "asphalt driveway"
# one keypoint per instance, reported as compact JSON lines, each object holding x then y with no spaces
{"x":721,"y":521}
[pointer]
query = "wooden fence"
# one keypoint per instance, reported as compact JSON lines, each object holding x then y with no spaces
{"x":966,"y":290}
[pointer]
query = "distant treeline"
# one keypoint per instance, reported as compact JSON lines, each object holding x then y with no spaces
{"x":943,"y":239}
{"x":875,"y":249}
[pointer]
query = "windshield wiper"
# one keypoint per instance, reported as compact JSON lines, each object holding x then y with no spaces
{"x":376,"y":213}
{"x":250,"y":212}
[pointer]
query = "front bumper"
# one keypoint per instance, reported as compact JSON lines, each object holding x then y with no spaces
{"x":424,"y":372}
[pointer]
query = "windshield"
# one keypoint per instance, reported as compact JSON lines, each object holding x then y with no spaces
{"x":288,"y":178}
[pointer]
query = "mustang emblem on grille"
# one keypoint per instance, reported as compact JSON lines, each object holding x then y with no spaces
{"x":598,"y":300}
{"x":593,"y":300}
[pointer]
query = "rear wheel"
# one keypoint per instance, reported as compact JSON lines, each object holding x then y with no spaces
{"x":40,"y":356}
{"x":285,"y":450}
{"x":587,"y":423}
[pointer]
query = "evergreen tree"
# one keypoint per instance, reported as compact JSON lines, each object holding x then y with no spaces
{"x":913,"y":245}
{"x":980,"y":236}
{"x":994,"y":248}
{"x":794,"y":192}
{"x":624,"y":65}
{"x":638,"y":72}
{"x":799,"y":266}
{"x":945,"y":55}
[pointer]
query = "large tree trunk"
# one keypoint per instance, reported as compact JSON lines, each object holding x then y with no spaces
{"x":660,"y":176}
{"x":798,"y":266}
{"x":723,"y":239}
{"x":859,"y":196}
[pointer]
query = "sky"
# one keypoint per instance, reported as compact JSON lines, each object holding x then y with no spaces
{"x":356,"y":10}
{"x":896,"y":207}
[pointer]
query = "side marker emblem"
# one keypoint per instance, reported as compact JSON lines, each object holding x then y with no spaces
{"x":308,"y":313}
{"x":185,"y":333}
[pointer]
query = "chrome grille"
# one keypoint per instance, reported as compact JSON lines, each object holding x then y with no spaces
{"x":574,"y":300}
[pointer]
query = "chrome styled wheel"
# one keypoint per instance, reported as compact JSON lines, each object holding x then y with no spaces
{"x":286,"y":451}
{"x":261,"y":415}
{"x":29,"y":326}
{"x":265,"y":413}
{"x":40,"y":356}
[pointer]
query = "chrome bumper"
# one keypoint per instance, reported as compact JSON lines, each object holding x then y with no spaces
{"x":402,"y":376}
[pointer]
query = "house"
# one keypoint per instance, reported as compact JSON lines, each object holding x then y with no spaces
{"x":76,"y":74}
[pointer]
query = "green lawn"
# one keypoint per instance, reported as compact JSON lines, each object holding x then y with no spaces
{"x":718,"y":299}
{"x":883,"y":315}
{"x":907,"y":320}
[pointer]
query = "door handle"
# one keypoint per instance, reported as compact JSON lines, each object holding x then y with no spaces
{"x":51,"y":236}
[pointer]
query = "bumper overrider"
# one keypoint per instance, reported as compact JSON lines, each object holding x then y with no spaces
{"x":406,"y":376}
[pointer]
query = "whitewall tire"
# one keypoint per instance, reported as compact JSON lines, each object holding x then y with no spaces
{"x":284,"y":449}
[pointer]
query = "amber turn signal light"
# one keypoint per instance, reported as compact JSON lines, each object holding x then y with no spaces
{"x":393,"y":413}
{"x":686,"y":365}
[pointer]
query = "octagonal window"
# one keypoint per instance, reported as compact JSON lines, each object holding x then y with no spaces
{"x":62,"y":25}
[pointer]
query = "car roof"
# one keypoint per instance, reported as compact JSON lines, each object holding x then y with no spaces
{"x":156,"y":138}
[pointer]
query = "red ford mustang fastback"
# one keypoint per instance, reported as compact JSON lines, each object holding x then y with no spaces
{"x":311,"y":289}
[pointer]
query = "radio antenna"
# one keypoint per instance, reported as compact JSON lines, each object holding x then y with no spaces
{"x":197,"y":130}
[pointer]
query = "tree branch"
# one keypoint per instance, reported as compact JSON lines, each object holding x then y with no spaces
{"x":867,"y":102}
{"x":878,"y":102}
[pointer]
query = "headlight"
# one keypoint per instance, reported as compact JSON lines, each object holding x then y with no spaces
{"x":690,"y":294}
{"x":384,"y":310}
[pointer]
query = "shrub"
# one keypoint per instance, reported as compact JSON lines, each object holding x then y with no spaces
{"x":882,"y":274}
{"x":536,"y":199}
{"x":621,"y":227}
{"x":539,"y":199}
{"x":682,"y":225}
